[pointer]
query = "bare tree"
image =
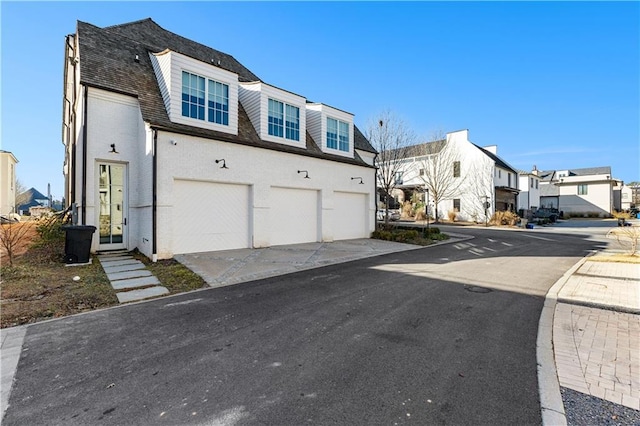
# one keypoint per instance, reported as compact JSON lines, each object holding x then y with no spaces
{"x":479,"y":190}
{"x":391,"y":137}
{"x":14,"y":239}
{"x":438,"y":164}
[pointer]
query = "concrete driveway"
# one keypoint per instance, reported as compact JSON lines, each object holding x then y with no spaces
{"x":221,"y":268}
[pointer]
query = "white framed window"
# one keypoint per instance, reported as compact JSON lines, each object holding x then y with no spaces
{"x":337,"y":134}
{"x":283,"y":120}
{"x":582,"y":189}
{"x":195,"y":90}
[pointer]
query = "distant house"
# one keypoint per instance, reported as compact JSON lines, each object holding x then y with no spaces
{"x":174,"y":147}
{"x":580,"y":192}
{"x":529,"y":186}
{"x":7,"y":182}
{"x":483,"y":177}
{"x":31,"y":198}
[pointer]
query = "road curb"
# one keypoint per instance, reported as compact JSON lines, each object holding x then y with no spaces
{"x":551,"y":404}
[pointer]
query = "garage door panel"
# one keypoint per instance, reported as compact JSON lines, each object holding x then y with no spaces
{"x":210,"y":216}
{"x":350,"y":216}
{"x":294,"y":216}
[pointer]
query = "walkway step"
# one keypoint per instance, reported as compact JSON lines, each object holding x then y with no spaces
{"x":122,"y":268}
{"x":134,"y":283}
{"x":129,"y":274}
{"x":119,"y":261}
{"x":134,"y":295}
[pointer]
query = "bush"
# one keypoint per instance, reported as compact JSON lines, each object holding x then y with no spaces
{"x":50,"y":229}
{"x":451,"y":214}
{"x":504,"y":218}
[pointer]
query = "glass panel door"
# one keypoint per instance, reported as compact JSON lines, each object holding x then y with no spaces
{"x":112,"y":218}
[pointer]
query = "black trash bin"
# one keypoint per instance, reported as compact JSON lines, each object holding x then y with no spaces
{"x":77,"y":243}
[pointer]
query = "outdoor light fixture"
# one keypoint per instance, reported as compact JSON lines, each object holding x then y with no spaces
{"x":306,"y":173}
{"x":358,"y":177}
{"x":113,"y":149}
{"x":224,"y":164}
{"x":173,"y":142}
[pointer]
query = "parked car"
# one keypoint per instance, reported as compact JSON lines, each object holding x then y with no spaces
{"x":393,"y":215}
{"x":547,"y":213}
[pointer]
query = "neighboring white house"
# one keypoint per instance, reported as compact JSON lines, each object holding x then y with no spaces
{"x":173,"y":147}
{"x":7,"y":182}
{"x":529,"y":186}
{"x":623,"y":197}
{"x":580,"y":192}
{"x":482,"y":177}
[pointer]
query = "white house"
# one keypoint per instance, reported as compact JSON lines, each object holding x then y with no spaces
{"x":529,"y":186}
{"x":480,"y":178}
{"x":579,"y":192}
{"x":7,"y":182}
{"x":174,"y":147}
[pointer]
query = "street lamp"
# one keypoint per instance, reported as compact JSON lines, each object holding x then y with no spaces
{"x":426,"y":208}
{"x":487,"y":204}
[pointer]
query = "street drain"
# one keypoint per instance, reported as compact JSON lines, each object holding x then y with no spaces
{"x":474,"y":289}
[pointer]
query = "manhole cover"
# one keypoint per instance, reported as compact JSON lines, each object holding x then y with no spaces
{"x":474,"y":289}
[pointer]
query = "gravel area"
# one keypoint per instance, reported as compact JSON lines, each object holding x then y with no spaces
{"x":587,"y":410}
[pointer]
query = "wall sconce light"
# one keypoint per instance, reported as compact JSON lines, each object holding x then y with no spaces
{"x":358,"y":177}
{"x":113,"y":149}
{"x":173,"y":142}
{"x":306,"y":173}
{"x":224,"y":164}
{"x":137,"y":59}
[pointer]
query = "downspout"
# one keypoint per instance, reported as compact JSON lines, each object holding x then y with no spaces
{"x":154,"y":203}
{"x":84,"y":157}
{"x":375,"y":193}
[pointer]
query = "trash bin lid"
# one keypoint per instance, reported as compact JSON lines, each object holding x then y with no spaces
{"x":78,"y":228}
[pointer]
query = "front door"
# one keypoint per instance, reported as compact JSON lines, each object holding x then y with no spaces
{"x":113,"y":206}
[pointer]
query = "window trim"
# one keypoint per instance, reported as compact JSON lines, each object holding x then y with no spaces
{"x":207,"y":110}
{"x":583,"y":189}
{"x":340,"y":134}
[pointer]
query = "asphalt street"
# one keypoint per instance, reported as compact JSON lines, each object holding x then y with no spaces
{"x":441,"y":335}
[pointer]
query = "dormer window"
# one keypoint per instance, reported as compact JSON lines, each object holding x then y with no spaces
{"x":197,"y":93}
{"x":284,"y":120}
{"x":195,"y":89}
{"x":337,"y":134}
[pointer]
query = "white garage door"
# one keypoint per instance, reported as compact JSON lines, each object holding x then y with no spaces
{"x":210,"y":216}
{"x":294,"y":216}
{"x":350,"y":216}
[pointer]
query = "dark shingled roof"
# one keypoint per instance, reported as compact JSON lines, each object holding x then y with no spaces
{"x":107,"y":61}
{"x":499,"y":161}
{"x":550,"y":175}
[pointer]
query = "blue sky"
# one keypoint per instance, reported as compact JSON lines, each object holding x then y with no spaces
{"x":553,"y":84}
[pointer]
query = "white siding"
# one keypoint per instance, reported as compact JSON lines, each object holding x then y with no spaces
{"x":181,"y":63}
{"x":250,"y":99}
{"x":162,"y":68}
{"x":255,"y":100}
{"x":222,"y":212}
{"x":317,"y":115}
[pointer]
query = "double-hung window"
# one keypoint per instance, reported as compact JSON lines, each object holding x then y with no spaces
{"x":284,"y":120}
{"x":337,"y":134}
{"x":582,"y":189}
{"x":195,"y":89}
{"x":456,"y":169}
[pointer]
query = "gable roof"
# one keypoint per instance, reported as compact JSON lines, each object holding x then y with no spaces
{"x":108,"y":61}
{"x":550,"y":175}
{"x":499,"y":161}
{"x":28,"y":199}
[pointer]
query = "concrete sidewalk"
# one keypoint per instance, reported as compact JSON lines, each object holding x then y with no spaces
{"x":595,"y":316}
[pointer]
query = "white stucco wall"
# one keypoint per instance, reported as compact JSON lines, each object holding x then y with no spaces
{"x":599,"y":197}
{"x":529,"y":196}
{"x":7,"y":183}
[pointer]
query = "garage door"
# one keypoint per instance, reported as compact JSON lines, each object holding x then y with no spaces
{"x":350,"y":216}
{"x":210,"y":216}
{"x":294,"y":216}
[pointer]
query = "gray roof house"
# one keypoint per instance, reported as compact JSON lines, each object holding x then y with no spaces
{"x":175,"y":147}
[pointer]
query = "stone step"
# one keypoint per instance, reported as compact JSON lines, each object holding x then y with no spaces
{"x":111,"y":260}
{"x":120,"y":262}
{"x":129,"y":274}
{"x":145,"y":293}
{"x":122,"y":268}
{"x":135,"y":282}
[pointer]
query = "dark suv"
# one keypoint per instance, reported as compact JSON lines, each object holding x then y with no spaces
{"x":547,"y":213}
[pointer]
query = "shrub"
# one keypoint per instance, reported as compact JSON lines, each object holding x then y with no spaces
{"x":49,"y":228}
{"x":407,"y":210}
{"x":451,"y":214}
{"x":504,"y":218}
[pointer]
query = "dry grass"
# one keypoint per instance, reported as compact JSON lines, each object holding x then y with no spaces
{"x":39,"y":286}
{"x":618,"y":258}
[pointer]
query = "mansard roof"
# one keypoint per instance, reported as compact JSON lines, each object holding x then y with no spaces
{"x":116,"y":58}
